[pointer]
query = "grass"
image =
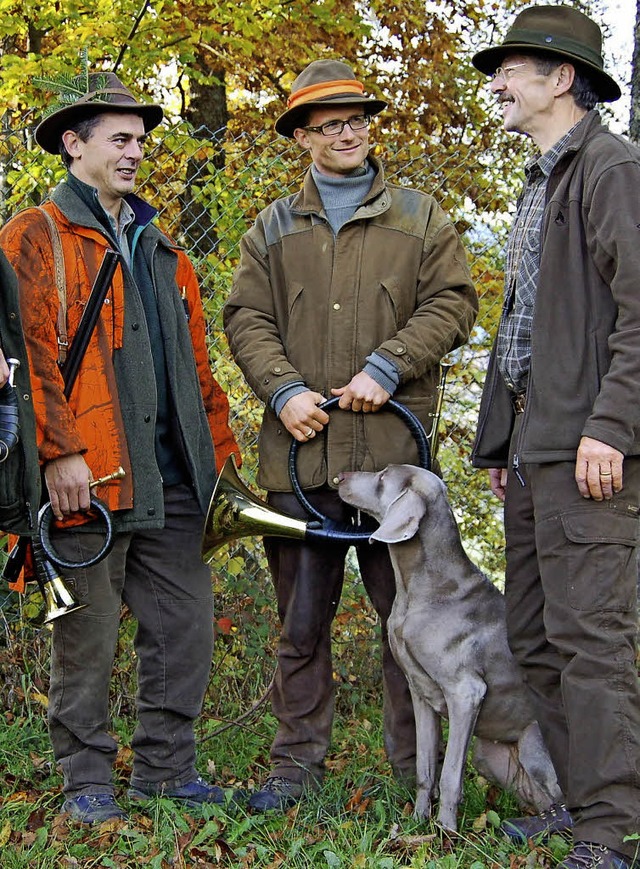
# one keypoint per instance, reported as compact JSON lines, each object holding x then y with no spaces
{"x":361,"y":818}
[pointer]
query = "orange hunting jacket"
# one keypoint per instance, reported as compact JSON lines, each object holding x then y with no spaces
{"x":90,"y":423}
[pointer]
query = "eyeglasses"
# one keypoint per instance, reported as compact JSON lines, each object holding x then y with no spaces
{"x":335,"y":128}
{"x":506,"y":71}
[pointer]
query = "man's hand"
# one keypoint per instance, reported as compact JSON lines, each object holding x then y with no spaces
{"x":302,"y":417}
{"x":68,"y":481}
{"x":598,"y":470}
{"x":4,"y":370}
{"x":362,"y":393}
{"x":498,"y":482}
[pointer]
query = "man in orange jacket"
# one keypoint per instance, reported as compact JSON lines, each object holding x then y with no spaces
{"x":144,"y":399}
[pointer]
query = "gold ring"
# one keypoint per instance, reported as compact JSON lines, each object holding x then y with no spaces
{"x":308,"y":433}
{"x":605,"y":473}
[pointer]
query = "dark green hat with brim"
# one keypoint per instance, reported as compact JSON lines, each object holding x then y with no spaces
{"x":105,"y":93}
{"x":555,"y":30}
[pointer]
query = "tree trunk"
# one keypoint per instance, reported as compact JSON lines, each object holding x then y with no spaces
{"x":634,"y":118}
{"x":209,"y":115}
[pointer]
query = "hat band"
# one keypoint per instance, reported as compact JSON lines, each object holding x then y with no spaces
{"x":561,"y":44}
{"x":325,"y":89}
{"x":87,"y":98}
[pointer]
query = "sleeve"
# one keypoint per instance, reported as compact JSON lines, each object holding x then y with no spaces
{"x":214,"y":398}
{"x":251,"y":322}
{"x":26,"y":243}
{"x":446,"y":303}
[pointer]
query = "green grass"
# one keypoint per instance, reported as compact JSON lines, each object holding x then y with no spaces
{"x":361,"y":818}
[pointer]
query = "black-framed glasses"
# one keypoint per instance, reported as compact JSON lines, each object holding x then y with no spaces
{"x":335,"y":128}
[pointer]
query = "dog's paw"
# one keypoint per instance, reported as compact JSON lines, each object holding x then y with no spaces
{"x":422,"y":809}
{"x":448,"y":818}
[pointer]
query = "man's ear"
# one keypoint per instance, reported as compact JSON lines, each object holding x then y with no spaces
{"x":402,"y":519}
{"x":71,"y":142}
{"x":565,"y":74}
{"x":302,"y":138}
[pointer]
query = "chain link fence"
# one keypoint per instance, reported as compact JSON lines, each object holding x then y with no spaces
{"x":209,"y":187}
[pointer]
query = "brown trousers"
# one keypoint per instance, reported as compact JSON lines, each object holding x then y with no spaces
{"x":308,"y":579}
{"x":571,"y":612}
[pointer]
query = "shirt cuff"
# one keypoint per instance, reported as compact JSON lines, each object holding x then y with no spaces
{"x":281,"y":396}
{"x":383,"y":371}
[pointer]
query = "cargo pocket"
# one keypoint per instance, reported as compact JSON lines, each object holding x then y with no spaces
{"x":604,"y":555}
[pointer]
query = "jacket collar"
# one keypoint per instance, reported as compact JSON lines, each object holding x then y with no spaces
{"x":591,"y":124}
{"x":79,"y":203}
{"x":308,"y":201}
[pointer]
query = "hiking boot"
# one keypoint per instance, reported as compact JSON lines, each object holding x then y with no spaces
{"x":194,"y":794}
{"x":93,"y":808}
{"x":540,"y":827}
{"x":588,"y":855}
{"x":278,"y":793}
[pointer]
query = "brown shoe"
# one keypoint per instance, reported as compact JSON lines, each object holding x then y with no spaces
{"x":555,"y":819}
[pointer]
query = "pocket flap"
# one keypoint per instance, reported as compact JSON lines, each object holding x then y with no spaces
{"x":589,"y":526}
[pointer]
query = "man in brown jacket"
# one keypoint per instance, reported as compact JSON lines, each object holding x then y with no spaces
{"x":559,"y":428}
{"x":355,"y":288}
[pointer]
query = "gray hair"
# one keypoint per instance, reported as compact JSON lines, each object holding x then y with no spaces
{"x":582,"y":90}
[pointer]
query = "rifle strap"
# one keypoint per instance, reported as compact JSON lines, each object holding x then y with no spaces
{"x":61,"y":284}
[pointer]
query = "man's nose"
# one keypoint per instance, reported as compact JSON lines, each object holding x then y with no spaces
{"x":134,"y":150}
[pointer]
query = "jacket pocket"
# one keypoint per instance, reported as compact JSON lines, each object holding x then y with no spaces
{"x":605,"y":556}
{"x":397,"y":302}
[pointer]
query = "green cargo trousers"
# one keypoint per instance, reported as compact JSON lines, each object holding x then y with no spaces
{"x":571,"y":612}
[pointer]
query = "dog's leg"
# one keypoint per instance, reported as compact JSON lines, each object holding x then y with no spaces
{"x":539,"y":786}
{"x":427,"y":746}
{"x":463,"y":706}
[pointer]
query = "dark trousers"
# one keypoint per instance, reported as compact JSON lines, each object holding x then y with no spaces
{"x":308,"y":579}
{"x":571,"y":612}
{"x":161,"y":577}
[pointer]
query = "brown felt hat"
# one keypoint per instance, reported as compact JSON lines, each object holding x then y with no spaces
{"x":559,"y":30}
{"x":324,"y":83}
{"x":106,"y":94}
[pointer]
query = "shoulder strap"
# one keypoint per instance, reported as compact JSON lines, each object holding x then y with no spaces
{"x":61,"y":284}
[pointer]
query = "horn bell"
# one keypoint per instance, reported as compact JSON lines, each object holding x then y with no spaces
{"x":234,"y":512}
{"x":59,"y":600}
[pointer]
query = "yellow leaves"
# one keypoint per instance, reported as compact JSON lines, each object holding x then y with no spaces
{"x":42,"y":699}
{"x":5,"y":833}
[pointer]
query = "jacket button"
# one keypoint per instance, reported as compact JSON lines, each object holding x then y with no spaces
{"x":399,"y":349}
{"x":151,"y":511}
{"x":147,"y":418}
{"x":337,"y":306}
{"x":135,"y":326}
{"x":277,"y":369}
{"x":336,"y":480}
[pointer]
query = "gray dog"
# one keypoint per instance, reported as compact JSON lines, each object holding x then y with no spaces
{"x":447,"y":631}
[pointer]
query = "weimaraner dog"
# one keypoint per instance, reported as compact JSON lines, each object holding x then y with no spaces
{"x":447,"y":631}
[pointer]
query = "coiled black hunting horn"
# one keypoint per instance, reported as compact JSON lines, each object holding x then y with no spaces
{"x":234,"y":511}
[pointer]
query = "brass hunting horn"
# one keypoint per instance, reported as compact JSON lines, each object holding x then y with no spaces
{"x":234,"y":511}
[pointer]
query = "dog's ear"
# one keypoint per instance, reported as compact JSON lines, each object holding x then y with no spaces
{"x":402,"y":519}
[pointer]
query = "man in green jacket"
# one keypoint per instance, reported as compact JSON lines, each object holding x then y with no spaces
{"x":354,"y":288}
{"x":559,"y":428}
